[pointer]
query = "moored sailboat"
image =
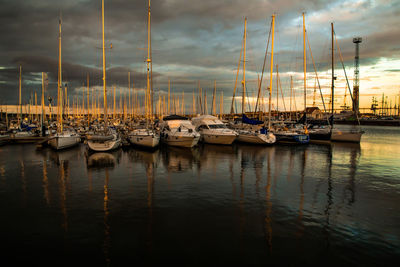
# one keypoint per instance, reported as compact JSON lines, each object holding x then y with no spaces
{"x":249,"y":131}
{"x":342,"y":135}
{"x":64,"y":138}
{"x":146,"y":137}
{"x":105,"y":139}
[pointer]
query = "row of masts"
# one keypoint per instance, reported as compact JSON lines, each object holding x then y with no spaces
{"x":150,"y":106}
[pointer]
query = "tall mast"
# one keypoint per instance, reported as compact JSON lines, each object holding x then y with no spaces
{"x":42,"y":119}
{"x":114,"y":105}
{"x":20,"y":94}
{"x":291,"y":95}
{"x":271,"y":71}
{"x":104,"y":65}
{"x":133,"y":98}
{"x":88,"y":98}
{"x":244,"y":69}
{"x":214,"y":109}
{"x":169,"y":92}
{"x":36,"y":113}
{"x":333,"y":73}
{"x":194,"y":105}
{"x":221,"y":104}
{"x":59,"y":84}
{"x":277,"y":91}
{"x":183,"y":103}
{"x":148,"y":61}
{"x":129,"y":91}
{"x":304,"y":61}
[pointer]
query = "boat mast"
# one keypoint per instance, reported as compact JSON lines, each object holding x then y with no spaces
{"x":42,"y":119}
{"x":148,"y":61}
{"x":36,"y":113}
{"x":214,"y":109}
{"x":221,"y":104}
{"x":104,"y":65}
{"x":88,"y":98}
{"x":20,"y":96}
{"x":271,"y":72}
{"x":244,"y":68}
{"x":304,"y":62}
{"x":114,"y":105}
{"x":194,"y":104}
{"x":277,"y":92}
{"x":59,"y":84}
{"x":291,"y":95}
{"x":129,"y":92}
{"x":333,"y":73}
{"x":169,"y":92}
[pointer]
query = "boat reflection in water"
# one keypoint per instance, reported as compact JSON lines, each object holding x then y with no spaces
{"x":335,"y":202}
{"x":59,"y":156}
{"x":102,"y":159}
{"x":146,"y":156}
{"x":210,"y":156}
{"x":179,"y":159}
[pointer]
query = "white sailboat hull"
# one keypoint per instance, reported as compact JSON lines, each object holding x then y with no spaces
{"x":62,"y":142}
{"x":145,"y":140}
{"x":181,"y":141}
{"x":255,"y":138}
{"x":101,"y":146}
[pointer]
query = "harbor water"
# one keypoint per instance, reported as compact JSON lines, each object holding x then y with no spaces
{"x":283,"y":204}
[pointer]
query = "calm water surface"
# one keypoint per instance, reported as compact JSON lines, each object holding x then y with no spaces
{"x":326,"y":204}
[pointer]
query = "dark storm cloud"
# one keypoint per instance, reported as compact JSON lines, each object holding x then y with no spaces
{"x":74,"y":75}
{"x":191,"y":40}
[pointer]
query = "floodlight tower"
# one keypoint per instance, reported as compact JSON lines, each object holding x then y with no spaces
{"x":356,"y":85}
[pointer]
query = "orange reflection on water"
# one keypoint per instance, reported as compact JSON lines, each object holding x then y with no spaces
{"x":107,"y":238}
{"x":63,"y":169}
{"x":268,"y":219}
{"x":45,"y":183}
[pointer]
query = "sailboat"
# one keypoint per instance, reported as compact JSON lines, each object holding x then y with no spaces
{"x":295,"y":133}
{"x":249,"y":130}
{"x":351,"y":135}
{"x":64,"y":138}
{"x":22,"y":131}
{"x":147,"y":137}
{"x":105,"y":138}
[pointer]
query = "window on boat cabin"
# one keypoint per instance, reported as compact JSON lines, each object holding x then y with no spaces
{"x":202,"y":127}
{"x":217,"y":126}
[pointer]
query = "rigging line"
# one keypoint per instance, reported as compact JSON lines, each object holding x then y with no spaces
{"x":248,"y":102}
{"x":283,"y":99}
{"x":324,"y":57}
{"x":296,"y":67}
{"x":237,"y":75}
{"x":316,"y":74}
{"x":345,"y":74}
{"x":250,"y":57}
{"x":262,"y":72}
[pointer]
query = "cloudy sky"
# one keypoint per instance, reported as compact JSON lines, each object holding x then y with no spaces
{"x":199,"y":42}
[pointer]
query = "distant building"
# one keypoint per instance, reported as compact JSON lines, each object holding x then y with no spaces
{"x":314,"y":113}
